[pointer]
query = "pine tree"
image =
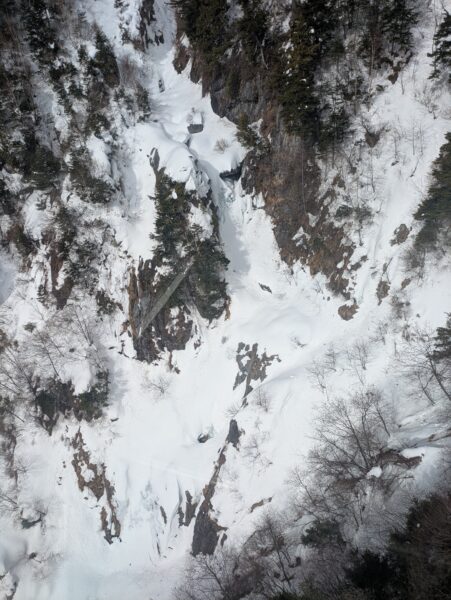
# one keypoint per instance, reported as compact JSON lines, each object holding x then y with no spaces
{"x":441,"y":53}
{"x":398,"y":18}
{"x":172,"y":218}
{"x":442,"y":343}
{"x":299,"y":105}
{"x":39,"y":19}
{"x":435,"y":210}
{"x":253,"y":28}
{"x":104,"y":61}
{"x":207,"y":27}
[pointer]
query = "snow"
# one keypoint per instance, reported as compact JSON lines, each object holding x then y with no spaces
{"x":7,"y":277}
{"x":148,"y":439}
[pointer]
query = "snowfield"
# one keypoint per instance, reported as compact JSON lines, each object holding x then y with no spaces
{"x":148,"y":439}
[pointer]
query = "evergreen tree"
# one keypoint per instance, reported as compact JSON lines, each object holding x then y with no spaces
{"x":441,"y":53}
{"x":171,"y":224}
{"x":104,"y":61}
{"x":297,"y":93}
{"x":435,"y":210}
{"x":179,"y":241}
{"x":207,"y":27}
{"x":442,"y":344}
{"x":321,"y":19}
{"x":39,"y":19}
{"x":253,"y":28}
{"x":398,"y":18}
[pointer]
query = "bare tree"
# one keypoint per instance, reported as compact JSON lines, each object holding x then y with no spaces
{"x":252,"y":450}
{"x":420,"y":368}
{"x":350,"y":436}
{"x":262,"y":399}
{"x":358,"y":356}
{"x":159,"y":385}
{"x":216,"y":577}
{"x":271,"y":552}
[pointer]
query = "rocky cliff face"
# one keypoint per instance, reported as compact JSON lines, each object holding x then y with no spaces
{"x":297,"y":160}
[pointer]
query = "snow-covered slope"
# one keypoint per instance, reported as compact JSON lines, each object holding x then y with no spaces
{"x":113,"y":496}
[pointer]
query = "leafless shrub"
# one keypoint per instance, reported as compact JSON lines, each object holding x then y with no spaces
{"x":233,"y":410}
{"x":427,"y":97}
{"x":252,"y":450}
{"x":65,"y":337}
{"x":317,"y":375}
{"x":128,"y":72}
{"x":331,"y":358}
{"x":421,"y":370}
{"x":159,"y":386}
{"x":319,"y":370}
{"x":7,"y":502}
{"x":265,"y":566}
{"x":270,"y":552}
{"x":216,"y":577}
{"x":380,"y":332}
{"x":262,"y":399}
{"x":358,"y":356}
{"x":16,"y":376}
{"x":221,"y":146}
{"x":400,"y":307}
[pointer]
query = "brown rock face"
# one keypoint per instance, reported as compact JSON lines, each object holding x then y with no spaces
{"x":284,"y":171}
{"x":401,"y":233}
{"x":167,"y":332}
{"x":346,"y":312}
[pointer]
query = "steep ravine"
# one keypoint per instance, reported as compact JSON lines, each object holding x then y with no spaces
{"x":177,"y":308}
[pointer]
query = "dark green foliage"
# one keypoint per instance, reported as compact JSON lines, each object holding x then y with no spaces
{"x":417,"y":563}
{"x":398,"y":18}
{"x":322,"y":533}
{"x":178,"y":242}
{"x":245,"y":134}
{"x":51,"y":401}
{"x":88,"y":405}
{"x":143,"y":102}
{"x":442,"y":350}
{"x":334,"y":119}
{"x":66,"y":224}
{"x":208,"y":286}
{"x":96,"y":123}
{"x":435,"y":210}
{"x":7,"y":200}
{"x":106,"y":305}
{"x":289,"y":62}
{"x":102,"y":75}
{"x":297,"y":80}
{"x":233,"y":82}
{"x":172,"y":204}
{"x":422,"y":552}
{"x":82,"y":264}
{"x":387,"y":29}
{"x":207,"y":26}
{"x":39,"y":19}
{"x":104,"y":63}
{"x":63,"y":77}
{"x":58,"y":398}
{"x":253,"y":28}
{"x":441,"y":52}
{"x":21,"y":239}
{"x":42,"y":168}
{"x":89,"y":187}
{"x":320,"y":16}
{"x":377,"y":575}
